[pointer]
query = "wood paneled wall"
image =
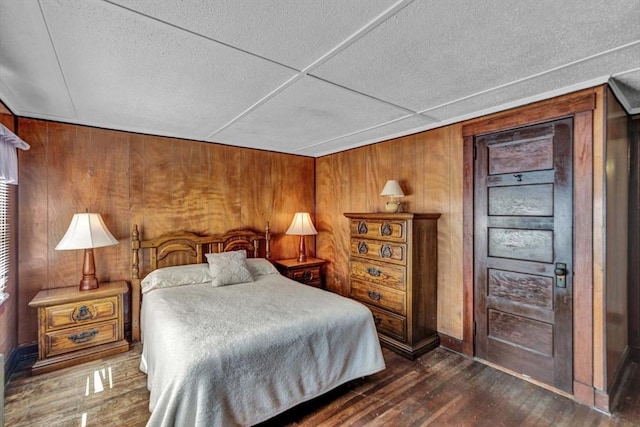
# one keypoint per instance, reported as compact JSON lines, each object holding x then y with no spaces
{"x":9,"y":309}
{"x":428,"y":166}
{"x":161,"y":184}
{"x":633,"y":295}
{"x":617,"y":233}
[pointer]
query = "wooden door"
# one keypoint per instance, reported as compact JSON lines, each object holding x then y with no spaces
{"x":523,"y":251}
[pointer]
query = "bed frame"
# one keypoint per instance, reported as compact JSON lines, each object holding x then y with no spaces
{"x":181,"y":248}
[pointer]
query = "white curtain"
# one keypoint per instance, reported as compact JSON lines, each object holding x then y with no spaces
{"x":9,"y":142}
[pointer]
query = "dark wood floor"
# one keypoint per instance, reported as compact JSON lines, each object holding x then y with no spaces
{"x":440,"y":388}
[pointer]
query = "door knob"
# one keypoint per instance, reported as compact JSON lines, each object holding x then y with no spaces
{"x":561,"y":275}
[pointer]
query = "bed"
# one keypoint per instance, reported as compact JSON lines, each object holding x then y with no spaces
{"x":239,"y":351}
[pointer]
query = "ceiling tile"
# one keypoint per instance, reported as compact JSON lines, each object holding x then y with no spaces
{"x":290,"y":32}
{"x":307,"y":112}
{"x":580,"y":75}
{"x":30,"y":79}
{"x":128,"y":71}
{"x":433,"y":52}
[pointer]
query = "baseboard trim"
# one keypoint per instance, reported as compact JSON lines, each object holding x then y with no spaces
{"x":450,"y":343}
{"x":19,"y":357}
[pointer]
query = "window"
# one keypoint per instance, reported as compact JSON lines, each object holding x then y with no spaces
{"x":4,"y":240}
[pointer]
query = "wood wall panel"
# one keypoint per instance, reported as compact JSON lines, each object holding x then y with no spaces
{"x":33,"y":251}
{"x":617,"y":232}
{"x":599,"y":236}
{"x":424,"y":164}
{"x":634,"y":241}
{"x":161,"y":184}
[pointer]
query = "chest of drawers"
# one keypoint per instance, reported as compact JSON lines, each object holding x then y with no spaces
{"x":394,"y":272}
{"x":77,"y":326}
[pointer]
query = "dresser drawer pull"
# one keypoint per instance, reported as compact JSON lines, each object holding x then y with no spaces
{"x":83,"y":336}
{"x":82,"y":313}
{"x":362,"y":248}
{"x":385,"y":251}
{"x":377,"y":319}
{"x":374,"y":271}
{"x":374,"y":295}
{"x":385,"y":230}
{"x":362,"y":228}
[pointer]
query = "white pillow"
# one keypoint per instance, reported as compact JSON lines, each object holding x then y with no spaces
{"x":229,"y":268}
{"x":179,"y":275}
{"x":261,"y":266}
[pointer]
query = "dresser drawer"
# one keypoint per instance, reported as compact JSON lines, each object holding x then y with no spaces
{"x":90,"y":311}
{"x":380,"y":229}
{"x":71,"y":339}
{"x":389,"y":324}
{"x":380,"y":296}
{"x":390,"y":275}
{"x":379,"y":250}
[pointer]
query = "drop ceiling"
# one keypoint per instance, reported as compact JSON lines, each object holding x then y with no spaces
{"x":308,"y":77}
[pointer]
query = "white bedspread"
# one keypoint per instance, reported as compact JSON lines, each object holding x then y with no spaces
{"x":241,"y":354}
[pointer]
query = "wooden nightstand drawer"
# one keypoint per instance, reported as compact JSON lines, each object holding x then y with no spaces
{"x":378,"y":250}
{"x":382,"y":297}
{"x":380,"y":229}
{"x":390,"y":324}
{"x":308,"y":272}
{"x":393,"y":276}
{"x":72,"y":339}
{"x":308,"y":276}
{"x":84,"y":312}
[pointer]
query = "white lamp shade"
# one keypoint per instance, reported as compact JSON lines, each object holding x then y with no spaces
{"x":392,"y":189}
{"x":302,"y":225}
{"x":87,"y":230}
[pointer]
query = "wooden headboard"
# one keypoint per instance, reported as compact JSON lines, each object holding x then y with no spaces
{"x":181,"y":248}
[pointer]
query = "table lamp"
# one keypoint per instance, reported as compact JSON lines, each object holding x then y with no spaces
{"x":392,"y":189}
{"x":302,"y":226}
{"x":87,"y":231}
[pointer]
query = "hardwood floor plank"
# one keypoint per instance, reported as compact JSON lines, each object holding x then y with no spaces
{"x":440,"y":388}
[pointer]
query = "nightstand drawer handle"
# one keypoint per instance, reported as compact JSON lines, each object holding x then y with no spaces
{"x":82,"y":313}
{"x":374,"y":271}
{"x":83,"y":336}
{"x":377,"y":320}
{"x":374,"y":295}
{"x":307,"y":276}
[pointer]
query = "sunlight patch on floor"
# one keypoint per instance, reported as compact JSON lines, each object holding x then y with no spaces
{"x":99,"y":377}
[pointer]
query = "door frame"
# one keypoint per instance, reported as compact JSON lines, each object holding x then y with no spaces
{"x":580,"y":106}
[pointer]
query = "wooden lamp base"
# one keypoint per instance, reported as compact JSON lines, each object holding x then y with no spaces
{"x":89,"y":280}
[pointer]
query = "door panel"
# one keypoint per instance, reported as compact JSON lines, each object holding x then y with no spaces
{"x":529,"y":200}
{"x":522,"y":229}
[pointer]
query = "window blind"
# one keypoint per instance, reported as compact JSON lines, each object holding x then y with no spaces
{"x":4,"y":240}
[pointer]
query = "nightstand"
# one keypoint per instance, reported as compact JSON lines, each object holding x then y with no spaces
{"x":77,"y":326}
{"x":308,"y":272}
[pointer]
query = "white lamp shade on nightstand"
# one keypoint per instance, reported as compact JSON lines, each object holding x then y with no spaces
{"x":87,"y":231}
{"x":302,"y":226}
